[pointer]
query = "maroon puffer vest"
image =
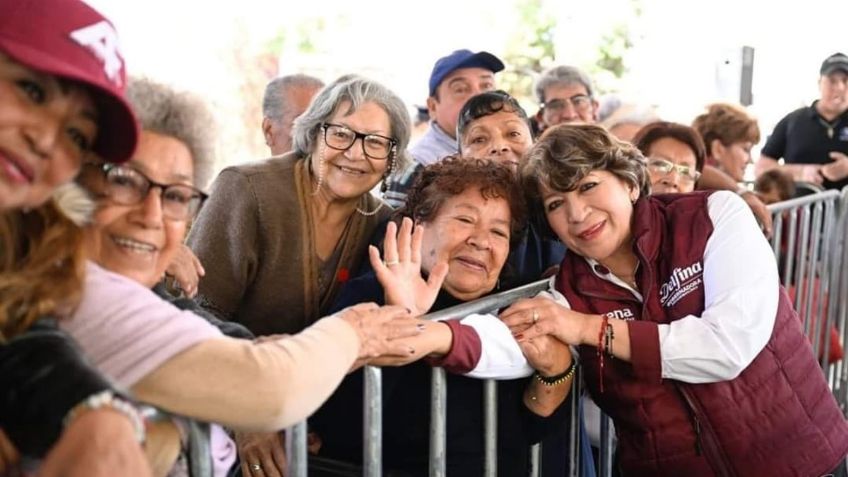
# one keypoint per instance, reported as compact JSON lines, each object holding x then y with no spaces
{"x":776,"y":418}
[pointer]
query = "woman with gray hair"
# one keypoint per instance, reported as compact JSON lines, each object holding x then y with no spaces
{"x":687,"y":340}
{"x":278,"y":238}
{"x":285,"y":233}
{"x":175,"y":359}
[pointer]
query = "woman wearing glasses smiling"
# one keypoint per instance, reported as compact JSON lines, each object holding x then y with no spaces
{"x":675,"y":155}
{"x":285,"y":233}
{"x":278,"y":238}
{"x":173,"y":359}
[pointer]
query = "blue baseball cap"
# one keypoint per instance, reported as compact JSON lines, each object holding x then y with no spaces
{"x":462,"y":59}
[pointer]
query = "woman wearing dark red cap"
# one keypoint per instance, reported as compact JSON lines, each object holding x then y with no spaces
{"x":61,"y":98}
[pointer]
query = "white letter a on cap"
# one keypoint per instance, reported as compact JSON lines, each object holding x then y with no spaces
{"x":102,"y":40}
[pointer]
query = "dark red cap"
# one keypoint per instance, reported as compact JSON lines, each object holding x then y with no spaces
{"x":68,"y":38}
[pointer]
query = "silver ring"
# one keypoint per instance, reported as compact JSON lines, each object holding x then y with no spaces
{"x":535,"y":316}
{"x":255,"y":467}
{"x":389,"y":263}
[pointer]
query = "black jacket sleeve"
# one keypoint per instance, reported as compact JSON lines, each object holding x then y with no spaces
{"x":42,"y":377}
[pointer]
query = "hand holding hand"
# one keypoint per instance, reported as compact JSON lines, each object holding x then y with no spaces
{"x":186,"y":269}
{"x":436,"y":338}
{"x":381,"y":329}
{"x":400,"y":273}
{"x":534,"y":317}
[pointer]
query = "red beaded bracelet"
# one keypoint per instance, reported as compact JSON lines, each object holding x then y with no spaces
{"x":601,"y":350}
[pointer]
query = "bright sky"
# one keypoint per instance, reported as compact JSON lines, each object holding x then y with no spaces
{"x":675,"y":63}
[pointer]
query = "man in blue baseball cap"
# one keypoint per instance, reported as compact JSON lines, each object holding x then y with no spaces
{"x":455,"y":79}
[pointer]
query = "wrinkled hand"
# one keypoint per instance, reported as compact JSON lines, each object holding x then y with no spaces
{"x":265,"y":449}
{"x":381,"y":329}
{"x":540,"y":316}
{"x":9,"y":457}
{"x":400,"y":274}
{"x":546,"y":354}
{"x":761,"y":212}
{"x":186,"y":270}
{"x":98,"y":443}
{"x":436,"y":338}
{"x":836,"y":170}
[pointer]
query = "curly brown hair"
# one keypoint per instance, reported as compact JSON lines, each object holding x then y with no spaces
{"x":567,"y":153}
{"x":43,"y":267}
{"x":728,"y":123}
{"x":657,"y":130}
{"x":453,"y":176}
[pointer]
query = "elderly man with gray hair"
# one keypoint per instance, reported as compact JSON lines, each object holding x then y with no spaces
{"x":286,"y":98}
{"x":565,"y":95}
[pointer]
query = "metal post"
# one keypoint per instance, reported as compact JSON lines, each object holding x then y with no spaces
{"x":490,"y":427}
{"x":809,"y":284}
{"x":606,"y":451}
{"x":372,"y":430}
{"x":438,"y":420}
{"x":574,"y":460}
{"x":296,"y":456}
{"x":535,"y":460}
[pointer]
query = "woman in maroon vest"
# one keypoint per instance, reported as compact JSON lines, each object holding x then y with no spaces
{"x":686,"y":338}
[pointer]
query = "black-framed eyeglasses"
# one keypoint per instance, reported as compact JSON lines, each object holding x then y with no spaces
{"x":580,"y":102}
{"x":662,"y":166}
{"x":126,"y":185}
{"x":341,"y":138}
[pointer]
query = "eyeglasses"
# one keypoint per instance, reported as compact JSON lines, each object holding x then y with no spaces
{"x":662,"y":166}
{"x":128,"y":186}
{"x":580,"y":102}
{"x":341,"y":138}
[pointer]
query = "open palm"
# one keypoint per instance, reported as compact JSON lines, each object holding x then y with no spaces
{"x":400,"y":272}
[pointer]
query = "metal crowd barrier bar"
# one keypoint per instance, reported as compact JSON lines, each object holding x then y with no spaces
{"x":838,"y":302}
{"x":808,"y":260}
{"x":296,"y":450}
{"x":809,"y":243}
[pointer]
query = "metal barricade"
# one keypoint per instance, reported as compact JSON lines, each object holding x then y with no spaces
{"x":372,"y":443}
{"x":809,"y":244}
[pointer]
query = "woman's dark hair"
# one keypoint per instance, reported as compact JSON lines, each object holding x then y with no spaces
{"x":655,"y":131}
{"x":451,"y":177}
{"x":487,"y":104}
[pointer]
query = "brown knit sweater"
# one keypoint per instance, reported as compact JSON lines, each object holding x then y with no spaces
{"x":253,"y":240}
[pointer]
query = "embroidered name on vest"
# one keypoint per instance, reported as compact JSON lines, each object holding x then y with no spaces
{"x":622,"y":314}
{"x":683,"y":281}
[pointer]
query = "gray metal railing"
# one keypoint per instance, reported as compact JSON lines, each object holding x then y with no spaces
{"x":809,"y":244}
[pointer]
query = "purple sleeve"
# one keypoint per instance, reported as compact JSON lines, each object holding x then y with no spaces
{"x":127,"y":331}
